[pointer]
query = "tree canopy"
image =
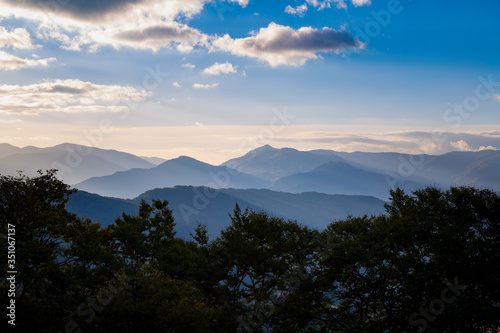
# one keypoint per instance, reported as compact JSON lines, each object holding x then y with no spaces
{"x":430,"y":264}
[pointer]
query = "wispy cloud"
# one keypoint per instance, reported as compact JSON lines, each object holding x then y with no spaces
{"x":66,"y":96}
{"x":282,"y":45}
{"x":9,"y":62}
{"x":217,"y":69}
{"x":16,"y":39}
{"x":242,"y":3}
{"x":403,"y":142}
{"x":322,"y":4}
{"x":299,"y":10}
{"x":188,"y":65}
{"x":358,"y":3}
{"x":205,"y":86}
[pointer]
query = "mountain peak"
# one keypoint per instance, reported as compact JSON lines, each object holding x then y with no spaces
{"x":183,"y":160}
{"x":264,"y":148}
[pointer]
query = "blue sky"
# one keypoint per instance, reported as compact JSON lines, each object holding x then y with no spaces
{"x":213,"y":79}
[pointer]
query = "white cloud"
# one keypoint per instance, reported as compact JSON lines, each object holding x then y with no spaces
{"x":299,"y":10}
{"x":322,"y":4}
{"x":461,"y":145}
{"x":139,"y":24}
{"x":188,"y":65}
{"x":111,"y":11}
{"x":282,"y":45}
{"x":487,"y":148}
{"x":9,"y":62}
{"x":358,"y":3}
{"x":205,"y":86}
{"x":176,"y":84}
{"x":242,"y":3}
{"x":152,"y":37}
{"x":217,"y":69}
{"x":16,"y":39}
{"x":66,"y":96}
{"x":497,"y":97}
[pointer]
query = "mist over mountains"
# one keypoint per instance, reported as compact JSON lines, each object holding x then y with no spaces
{"x":192,"y":205}
{"x":314,"y":187}
{"x":122,"y":175}
{"x":75,"y":163}
{"x":179,"y":171}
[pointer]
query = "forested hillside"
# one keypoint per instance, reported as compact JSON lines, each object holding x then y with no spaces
{"x":429,"y":264}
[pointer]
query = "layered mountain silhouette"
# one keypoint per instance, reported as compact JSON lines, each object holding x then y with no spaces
{"x":180,"y":171}
{"x":213,"y":206}
{"x":75,"y":163}
{"x":335,"y":178}
{"x":314,"y":187}
{"x":272,"y":164}
{"x":121,"y":175}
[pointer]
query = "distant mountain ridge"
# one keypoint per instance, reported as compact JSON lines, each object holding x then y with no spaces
{"x":122,"y":175}
{"x":179,"y":171}
{"x":272,"y":164}
{"x":212,"y":207}
{"x":295,"y":171}
{"x":75,"y":163}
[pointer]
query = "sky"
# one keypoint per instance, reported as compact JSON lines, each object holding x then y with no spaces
{"x":215,"y":79}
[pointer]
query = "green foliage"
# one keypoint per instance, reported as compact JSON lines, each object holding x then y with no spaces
{"x":145,"y":238}
{"x":260,"y":256}
{"x":400,"y":271}
{"x":430,"y":264}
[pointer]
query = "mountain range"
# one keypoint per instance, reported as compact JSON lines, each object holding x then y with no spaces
{"x":122,"y":175}
{"x":179,"y":171}
{"x":212,"y":206}
{"x":324,"y":171}
{"x":313,"y":187}
{"x":75,"y":163}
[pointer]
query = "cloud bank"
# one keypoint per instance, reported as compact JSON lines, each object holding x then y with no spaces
{"x":140,"y":24}
{"x":403,"y":142}
{"x":155,"y":24}
{"x":66,"y":96}
{"x":282,"y":45}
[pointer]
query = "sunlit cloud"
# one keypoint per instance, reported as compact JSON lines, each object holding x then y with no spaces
{"x":139,"y":24}
{"x":66,"y":96}
{"x":282,"y":45}
{"x":461,"y":145}
{"x":16,"y":39}
{"x":217,"y":69}
{"x":402,"y":142}
{"x":9,"y":62}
